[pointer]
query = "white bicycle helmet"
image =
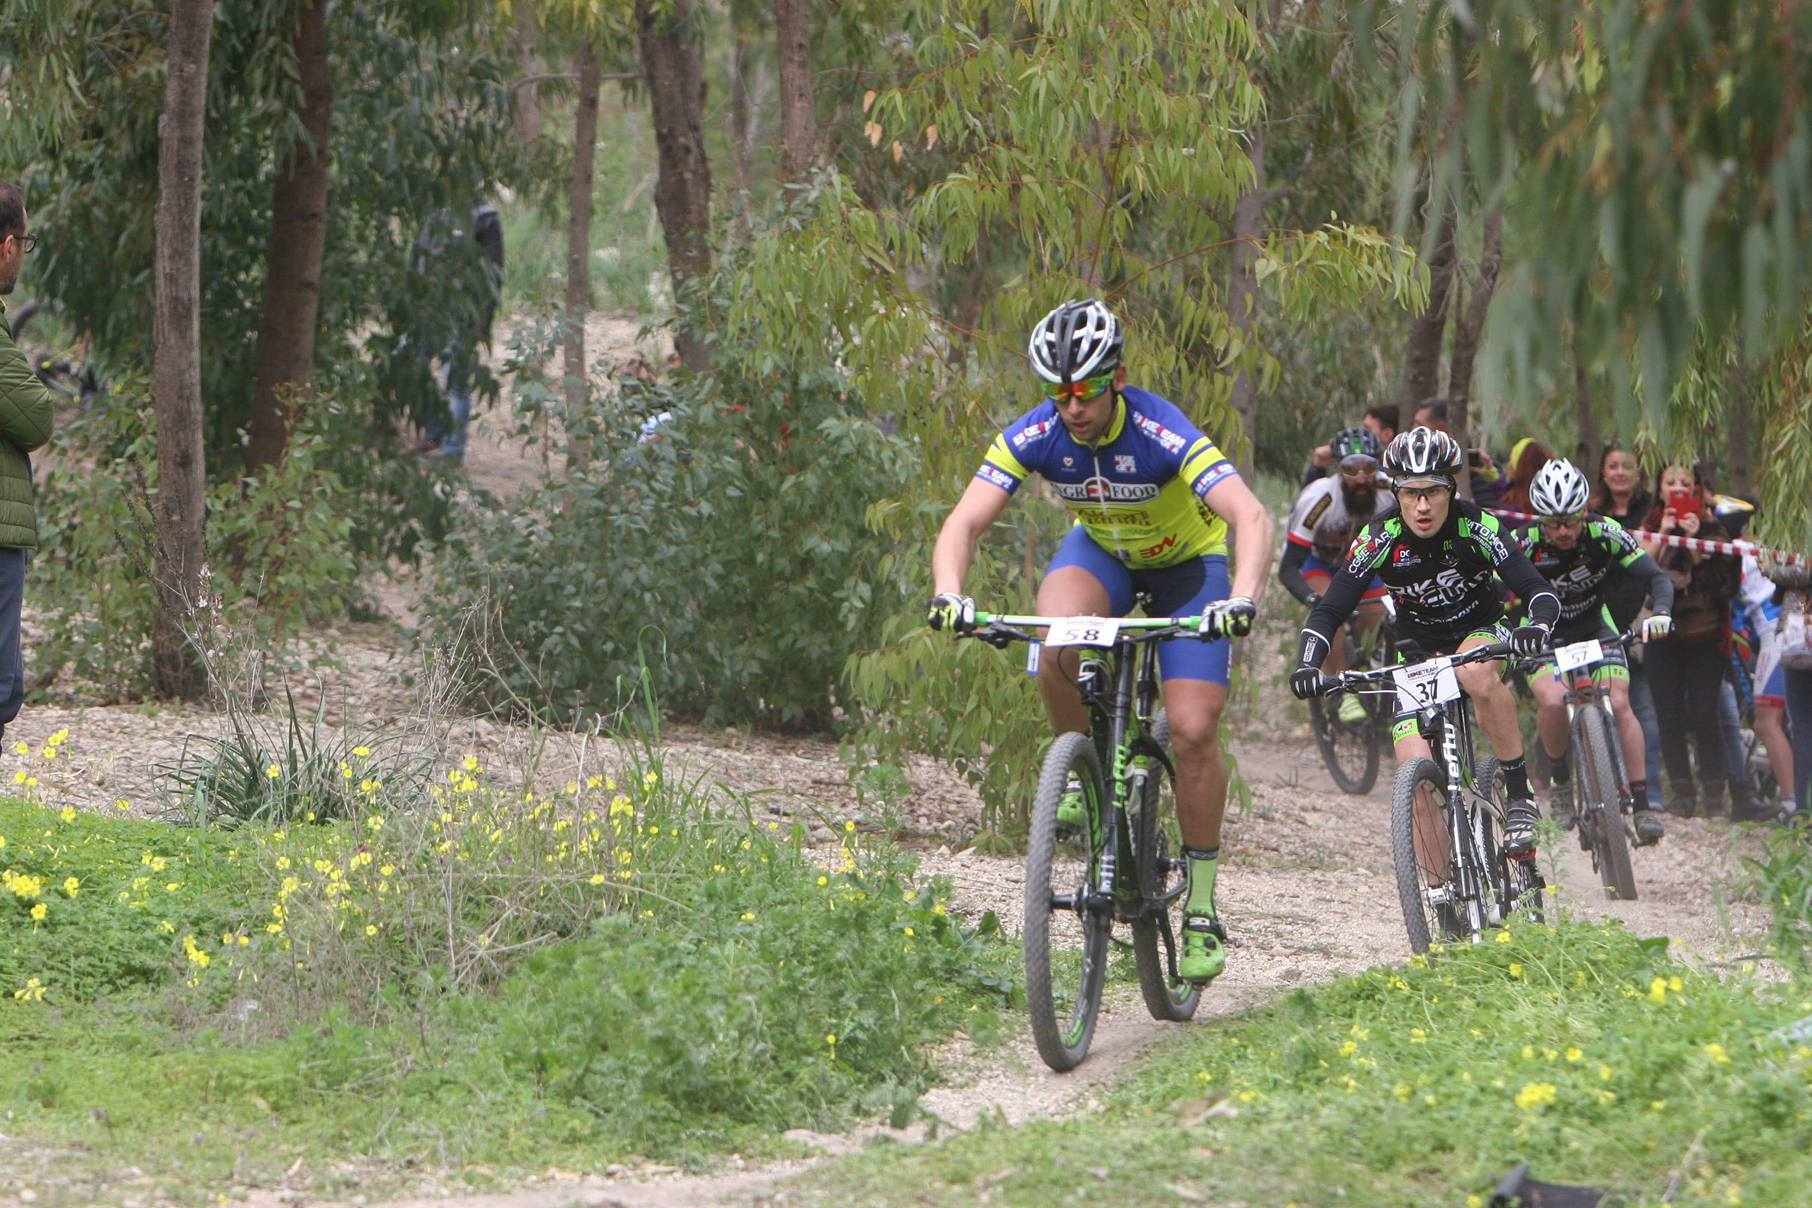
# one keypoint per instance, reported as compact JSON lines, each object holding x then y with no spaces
{"x":1077,"y":340}
{"x":1559,"y":488}
{"x":1422,"y":453}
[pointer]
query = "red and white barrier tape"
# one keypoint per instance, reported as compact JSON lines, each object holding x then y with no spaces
{"x":1763,"y":553}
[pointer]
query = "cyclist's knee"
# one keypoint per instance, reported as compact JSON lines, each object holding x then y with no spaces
{"x":1196,"y":732}
{"x":1480,"y":680}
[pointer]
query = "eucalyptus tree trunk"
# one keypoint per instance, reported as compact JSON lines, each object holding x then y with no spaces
{"x":578,"y":251}
{"x":1422,"y":348}
{"x":798,"y":122}
{"x":1585,"y":412}
{"x":528,"y":96}
{"x":1242,"y":294}
{"x":176,"y":362}
{"x":1468,"y":324}
{"x":682,"y":193}
{"x":298,"y":240}
{"x":1471,"y":323}
{"x":742,"y":118}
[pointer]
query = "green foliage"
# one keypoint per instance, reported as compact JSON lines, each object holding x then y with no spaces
{"x":628,"y":251}
{"x":1018,"y":179}
{"x":421,"y":123}
{"x":278,"y":545}
{"x":284,"y":771}
{"x":1781,"y":878}
{"x":621,"y":966}
{"x":729,"y":554}
{"x":704,"y":1038}
{"x":1583,"y":1051}
{"x":117,"y":895}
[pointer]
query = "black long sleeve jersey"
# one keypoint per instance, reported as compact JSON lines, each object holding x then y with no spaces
{"x":1446,"y":586}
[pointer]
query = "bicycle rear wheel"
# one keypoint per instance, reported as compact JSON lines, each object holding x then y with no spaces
{"x":1350,"y":749}
{"x":1598,"y":777}
{"x":1422,"y":851}
{"x":1517,"y":885}
{"x":1164,"y":886}
{"x":1065,"y":939}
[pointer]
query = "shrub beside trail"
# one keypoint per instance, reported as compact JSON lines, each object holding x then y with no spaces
{"x":617,"y":968}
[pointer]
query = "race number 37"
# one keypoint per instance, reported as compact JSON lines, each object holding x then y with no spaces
{"x":1083,"y":631}
{"x":1425,"y":685}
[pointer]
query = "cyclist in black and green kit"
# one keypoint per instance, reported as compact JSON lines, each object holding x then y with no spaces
{"x":1442,"y":558}
{"x":1580,"y":554}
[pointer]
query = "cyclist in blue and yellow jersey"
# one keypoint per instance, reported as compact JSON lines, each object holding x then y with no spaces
{"x":1442,"y":557}
{"x":1153,"y":499}
{"x":1581,"y":554}
{"x":1321,"y":527}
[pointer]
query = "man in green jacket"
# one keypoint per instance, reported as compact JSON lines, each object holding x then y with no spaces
{"x":24,"y":426}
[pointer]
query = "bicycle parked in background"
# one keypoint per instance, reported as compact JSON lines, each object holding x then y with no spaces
{"x":1454,"y":879}
{"x":1124,"y":863}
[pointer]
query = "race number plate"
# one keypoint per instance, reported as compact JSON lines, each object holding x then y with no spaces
{"x":1083,"y":631}
{"x":1425,"y":685}
{"x":1578,"y":654}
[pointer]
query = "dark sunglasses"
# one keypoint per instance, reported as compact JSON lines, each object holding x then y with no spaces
{"x":1086,"y":389}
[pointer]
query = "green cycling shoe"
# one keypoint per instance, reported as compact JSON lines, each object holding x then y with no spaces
{"x":1204,"y":952}
{"x":1072,"y":808}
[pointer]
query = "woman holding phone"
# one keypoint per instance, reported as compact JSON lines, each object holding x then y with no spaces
{"x":1686,"y":670}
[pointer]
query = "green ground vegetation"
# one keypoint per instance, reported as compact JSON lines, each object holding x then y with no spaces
{"x":1595,"y":1056}
{"x":484,"y":981}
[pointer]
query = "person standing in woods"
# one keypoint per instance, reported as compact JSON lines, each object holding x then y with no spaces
{"x":24,"y":426}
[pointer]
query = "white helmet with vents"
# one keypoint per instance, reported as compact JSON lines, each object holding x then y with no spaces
{"x":1559,"y":488}
{"x":1422,"y":453}
{"x":1077,"y":340}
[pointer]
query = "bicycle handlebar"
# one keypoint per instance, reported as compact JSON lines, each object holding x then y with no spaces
{"x":1353,"y":681}
{"x":998,"y":629}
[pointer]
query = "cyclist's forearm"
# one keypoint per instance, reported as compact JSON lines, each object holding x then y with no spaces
{"x":1337,"y":604}
{"x":1660,"y":587}
{"x":1253,"y":532}
{"x":1289,"y":573}
{"x":953,"y":555}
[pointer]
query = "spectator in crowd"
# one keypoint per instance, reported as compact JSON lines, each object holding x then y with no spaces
{"x":1621,"y":496}
{"x":479,"y":267}
{"x":1686,"y":669}
{"x":1486,"y":477}
{"x":1526,"y":457}
{"x":25,"y":416}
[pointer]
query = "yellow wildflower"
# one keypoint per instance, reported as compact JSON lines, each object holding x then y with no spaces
{"x":71,"y":885}
{"x":1536,"y":1094}
{"x":31,"y":991}
{"x":362,"y":752}
{"x":1716,"y":1052}
{"x":39,"y":911}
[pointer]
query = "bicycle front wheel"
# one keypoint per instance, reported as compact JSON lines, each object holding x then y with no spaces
{"x":1349,"y":749}
{"x":1421,"y":848}
{"x":1164,"y":886}
{"x":1598,"y":777}
{"x":1065,"y":937}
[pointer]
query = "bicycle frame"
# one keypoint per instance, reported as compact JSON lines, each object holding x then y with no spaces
{"x":1466,"y":821}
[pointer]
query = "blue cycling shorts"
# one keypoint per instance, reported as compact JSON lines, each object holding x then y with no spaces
{"x":1182,"y":590}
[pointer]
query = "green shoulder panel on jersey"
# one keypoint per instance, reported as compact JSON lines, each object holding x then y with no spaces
{"x":1614,"y":539}
{"x":1372,"y":544}
{"x":1488,"y":534}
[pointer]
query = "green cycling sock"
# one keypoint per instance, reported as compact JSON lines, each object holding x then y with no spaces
{"x":1201,"y":880}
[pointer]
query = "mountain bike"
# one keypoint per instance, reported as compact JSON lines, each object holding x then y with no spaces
{"x":1453,"y":878}
{"x":1124,"y":863}
{"x":1601,"y":790}
{"x":1351,"y":749}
